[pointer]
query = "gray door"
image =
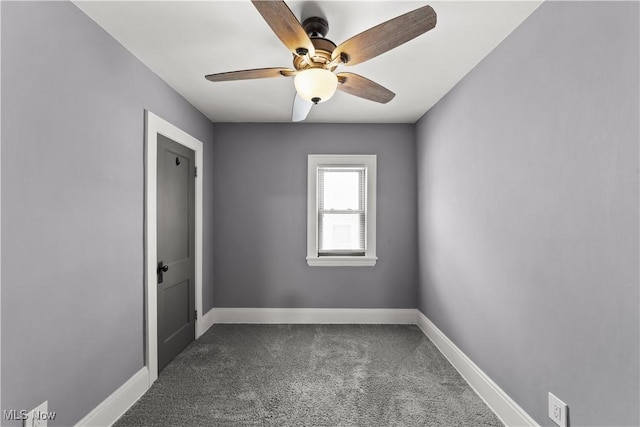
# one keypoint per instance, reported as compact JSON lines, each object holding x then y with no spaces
{"x":176,"y":249}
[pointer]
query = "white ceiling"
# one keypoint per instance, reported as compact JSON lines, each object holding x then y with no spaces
{"x":182,"y":41}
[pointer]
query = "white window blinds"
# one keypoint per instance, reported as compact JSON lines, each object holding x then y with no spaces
{"x":342,"y":212}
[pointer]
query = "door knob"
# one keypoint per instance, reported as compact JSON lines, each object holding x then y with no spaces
{"x":162,"y":268}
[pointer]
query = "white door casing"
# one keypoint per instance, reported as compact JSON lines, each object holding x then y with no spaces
{"x":155,"y":125}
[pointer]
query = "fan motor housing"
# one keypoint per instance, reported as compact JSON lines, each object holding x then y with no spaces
{"x":316,"y":28}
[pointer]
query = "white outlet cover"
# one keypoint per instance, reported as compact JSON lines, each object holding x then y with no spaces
{"x":557,"y":410}
{"x":38,"y":416}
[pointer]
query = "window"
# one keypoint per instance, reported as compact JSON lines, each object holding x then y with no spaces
{"x":341,"y":210}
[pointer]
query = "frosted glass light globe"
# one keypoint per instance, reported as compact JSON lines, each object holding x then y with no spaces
{"x":316,"y":84}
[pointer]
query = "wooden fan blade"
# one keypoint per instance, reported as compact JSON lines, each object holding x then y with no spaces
{"x":357,"y":85}
{"x":384,"y":37}
{"x":300,"y":109}
{"x":285,"y":24}
{"x":258,"y":73}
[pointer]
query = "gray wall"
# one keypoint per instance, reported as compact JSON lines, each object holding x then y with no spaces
{"x":260,"y":187}
{"x":528,"y":212}
{"x":73,"y":105}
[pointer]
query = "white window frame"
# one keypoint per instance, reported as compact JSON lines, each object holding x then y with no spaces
{"x":369,"y":161}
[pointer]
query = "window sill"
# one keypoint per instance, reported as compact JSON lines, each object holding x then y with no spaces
{"x":342,"y":261}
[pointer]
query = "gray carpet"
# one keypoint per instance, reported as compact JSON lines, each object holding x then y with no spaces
{"x":311,"y":375}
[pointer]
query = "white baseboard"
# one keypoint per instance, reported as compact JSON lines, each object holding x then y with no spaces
{"x":114,"y":406}
{"x":500,"y":403}
{"x":204,"y":323}
{"x":315,"y":315}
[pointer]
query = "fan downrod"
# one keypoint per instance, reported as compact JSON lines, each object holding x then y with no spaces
{"x":315,"y":26}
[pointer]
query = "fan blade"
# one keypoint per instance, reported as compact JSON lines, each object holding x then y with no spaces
{"x":258,"y":73}
{"x":285,"y":24}
{"x":384,"y":37}
{"x":357,"y":85}
{"x":301,"y":109}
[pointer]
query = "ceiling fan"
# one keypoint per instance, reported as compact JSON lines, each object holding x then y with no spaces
{"x":316,"y":58}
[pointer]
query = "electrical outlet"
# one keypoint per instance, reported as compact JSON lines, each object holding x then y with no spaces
{"x":558,"y":410}
{"x":39,"y":416}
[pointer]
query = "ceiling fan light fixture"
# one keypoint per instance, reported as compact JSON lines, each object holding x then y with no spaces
{"x":316,"y":84}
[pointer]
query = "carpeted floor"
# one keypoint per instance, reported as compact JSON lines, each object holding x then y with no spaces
{"x":310,"y":375}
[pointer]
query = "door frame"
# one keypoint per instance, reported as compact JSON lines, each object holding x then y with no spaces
{"x":155,"y":125}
